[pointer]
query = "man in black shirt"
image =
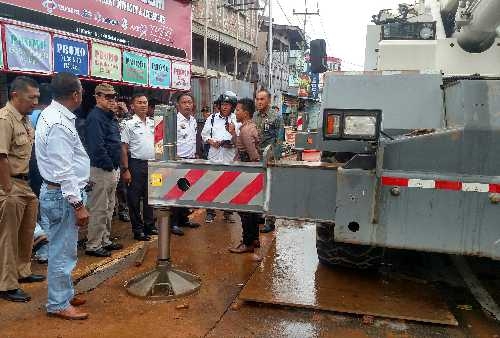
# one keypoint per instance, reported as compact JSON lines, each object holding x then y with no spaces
{"x":104,"y":150}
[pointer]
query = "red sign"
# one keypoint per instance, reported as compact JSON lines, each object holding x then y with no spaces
{"x":166,"y":22}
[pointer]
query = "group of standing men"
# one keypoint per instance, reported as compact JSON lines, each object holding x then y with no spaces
{"x":78,"y":183}
{"x":79,"y":179}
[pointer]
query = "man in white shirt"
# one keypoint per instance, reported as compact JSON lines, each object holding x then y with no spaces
{"x":186,"y":149}
{"x":65,"y":168}
{"x":216,"y":134}
{"x":215,"y":131}
{"x":137,"y":138}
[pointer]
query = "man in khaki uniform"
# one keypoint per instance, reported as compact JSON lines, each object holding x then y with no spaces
{"x":18,"y":203}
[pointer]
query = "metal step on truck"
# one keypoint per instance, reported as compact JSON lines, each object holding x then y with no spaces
{"x":411,"y":148}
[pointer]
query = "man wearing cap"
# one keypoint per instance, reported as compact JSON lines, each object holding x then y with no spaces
{"x":18,"y":203}
{"x":104,"y":150}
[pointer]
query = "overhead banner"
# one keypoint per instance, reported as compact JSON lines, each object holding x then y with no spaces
{"x":28,"y":50}
{"x":181,"y":75}
{"x":71,"y":56}
{"x":159,"y":72}
{"x":135,"y":68}
{"x":165,"y":22}
{"x":106,"y":62}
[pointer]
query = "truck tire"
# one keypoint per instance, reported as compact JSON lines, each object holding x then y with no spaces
{"x":344,"y":254}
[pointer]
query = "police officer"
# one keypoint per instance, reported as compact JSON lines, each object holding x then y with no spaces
{"x":215,"y":133}
{"x":18,"y":203}
{"x":271,"y":130}
{"x":137,"y":148}
{"x":186,"y":149}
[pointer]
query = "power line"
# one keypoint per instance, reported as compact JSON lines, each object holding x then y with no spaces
{"x":283,"y":11}
{"x":298,"y":24}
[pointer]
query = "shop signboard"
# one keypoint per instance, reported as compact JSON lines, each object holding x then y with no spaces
{"x":71,"y":56}
{"x":106,"y":62}
{"x":28,"y":50}
{"x":135,"y":68}
{"x":159,"y":72}
{"x":181,"y":75}
{"x":314,"y":94}
{"x":134,"y":23}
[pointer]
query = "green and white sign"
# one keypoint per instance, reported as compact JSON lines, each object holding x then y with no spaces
{"x":106,"y":62}
{"x":135,"y":68}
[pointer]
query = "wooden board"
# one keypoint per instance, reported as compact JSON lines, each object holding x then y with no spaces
{"x":291,"y":275}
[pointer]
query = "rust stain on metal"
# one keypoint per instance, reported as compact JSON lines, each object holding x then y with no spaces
{"x":292,"y":276}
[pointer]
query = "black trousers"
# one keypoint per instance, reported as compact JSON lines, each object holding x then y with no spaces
{"x":249,"y":223}
{"x":179,"y":216}
{"x":137,"y":191}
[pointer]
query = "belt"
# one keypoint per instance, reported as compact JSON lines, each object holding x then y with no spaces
{"x":88,"y":187}
{"x":51,"y":183}
{"x":23,"y":177}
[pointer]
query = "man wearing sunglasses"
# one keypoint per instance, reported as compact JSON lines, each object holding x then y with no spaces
{"x":104,"y":149}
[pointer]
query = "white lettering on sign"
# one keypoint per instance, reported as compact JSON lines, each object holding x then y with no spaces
{"x":138,"y":10}
{"x":70,"y":50}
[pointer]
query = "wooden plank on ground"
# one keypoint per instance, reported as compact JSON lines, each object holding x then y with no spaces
{"x":291,"y":275}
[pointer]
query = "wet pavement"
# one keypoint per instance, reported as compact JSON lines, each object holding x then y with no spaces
{"x":292,"y":275}
{"x":216,"y":311}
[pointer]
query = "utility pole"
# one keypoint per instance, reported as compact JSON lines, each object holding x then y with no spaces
{"x":237,"y":44}
{"x":241,"y":7}
{"x":306,"y":13}
{"x":205,"y":41}
{"x":270,"y":46}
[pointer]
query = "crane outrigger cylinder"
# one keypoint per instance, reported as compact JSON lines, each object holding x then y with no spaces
{"x":164,"y":282}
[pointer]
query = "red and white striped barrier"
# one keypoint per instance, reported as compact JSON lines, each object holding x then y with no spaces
{"x":440,"y":184}
{"x":210,"y":186}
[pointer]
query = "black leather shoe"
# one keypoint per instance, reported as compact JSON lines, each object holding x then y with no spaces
{"x":141,"y":237}
{"x":267,"y":228}
{"x":123,"y":216}
{"x":151,"y":232}
{"x":17,"y":295}
{"x":176,"y":230}
{"x":32,"y":279}
{"x":113,"y":246}
{"x":98,"y":253}
{"x":193,"y":225}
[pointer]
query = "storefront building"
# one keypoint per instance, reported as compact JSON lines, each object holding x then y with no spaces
{"x":136,"y":45}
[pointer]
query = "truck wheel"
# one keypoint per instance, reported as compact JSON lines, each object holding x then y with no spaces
{"x":344,"y":254}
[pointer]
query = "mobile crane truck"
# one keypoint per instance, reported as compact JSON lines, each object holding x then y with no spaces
{"x":414,"y":141}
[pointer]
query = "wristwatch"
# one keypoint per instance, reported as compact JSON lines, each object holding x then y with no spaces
{"x":124,"y":169}
{"x":77,"y":205}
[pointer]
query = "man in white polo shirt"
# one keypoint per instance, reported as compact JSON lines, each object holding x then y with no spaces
{"x":137,"y":136}
{"x":186,"y":149}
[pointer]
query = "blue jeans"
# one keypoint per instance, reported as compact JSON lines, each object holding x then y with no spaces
{"x":63,"y":237}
